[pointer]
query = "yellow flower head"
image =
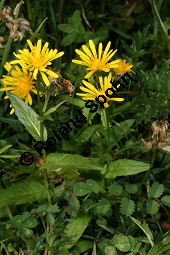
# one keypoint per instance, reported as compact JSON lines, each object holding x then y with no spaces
{"x":96,"y":60}
{"x":91,"y":93}
{"x":37,"y":59}
{"x":20,"y":83}
{"x":122,"y":67}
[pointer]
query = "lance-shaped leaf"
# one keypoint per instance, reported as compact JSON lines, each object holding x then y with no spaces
{"x":22,"y":193}
{"x":28,"y":117}
{"x":74,"y":230}
{"x":124,"y":167}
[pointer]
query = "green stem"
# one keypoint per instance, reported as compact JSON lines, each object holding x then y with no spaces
{"x":48,"y":225}
{"x":40,"y":110}
{"x":47,"y":96}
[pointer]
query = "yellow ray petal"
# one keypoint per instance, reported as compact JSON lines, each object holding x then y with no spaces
{"x":93,"y":48}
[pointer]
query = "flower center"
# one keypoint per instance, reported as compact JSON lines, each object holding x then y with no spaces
{"x":97,"y":64}
{"x":24,"y":86}
{"x":37,"y":59}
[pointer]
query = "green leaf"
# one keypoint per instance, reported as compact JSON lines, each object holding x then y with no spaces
{"x":166,"y":200}
{"x":61,"y":161}
{"x":86,"y":134}
{"x":22,"y":193}
{"x":74,"y":230}
{"x":152,"y":207}
{"x":131,"y":188}
{"x":156,"y":190}
{"x":53,"y":109}
{"x":72,"y":100}
{"x":28,"y":117}
{"x":127,"y":206}
{"x":69,"y":39}
{"x":124,"y":167}
{"x":82,"y":189}
{"x":145,"y":229}
{"x":76,"y":18}
{"x":67,"y":28}
{"x":115,"y":189}
{"x":121,"y":242}
{"x":110,"y":250}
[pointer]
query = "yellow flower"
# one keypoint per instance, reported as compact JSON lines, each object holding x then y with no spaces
{"x":92,"y":93}
{"x":37,"y":59}
{"x":122,"y":67}
{"x":94,"y":61}
{"x":19,"y":83}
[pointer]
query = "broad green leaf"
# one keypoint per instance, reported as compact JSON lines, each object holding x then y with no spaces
{"x":110,"y":250}
{"x":156,"y":190}
{"x":86,"y":134}
{"x":76,"y":18}
{"x":127,"y":206}
{"x":21,"y":193}
{"x":61,"y":161}
{"x":121,"y":242}
{"x":66,"y":28}
{"x":145,"y":229}
{"x":115,"y":189}
{"x":166,"y":200}
{"x":124,"y":167}
{"x":28,"y":117}
{"x":84,"y":245}
{"x":131,"y":188}
{"x":152,"y":207}
{"x":74,"y":230}
{"x":82,"y":189}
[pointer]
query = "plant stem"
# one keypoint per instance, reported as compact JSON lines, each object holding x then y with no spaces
{"x":40,"y":111}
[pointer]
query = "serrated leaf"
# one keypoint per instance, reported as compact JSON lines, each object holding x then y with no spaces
{"x":152,"y":207}
{"x":22,"y":193}
{"x":127,"y":206}
{"x":156,"y":190}
{"x":121,"y":242}
{"x":124,"y":167}
{"x":64,"y":161}
{"x":166,"y":200}
{"x":28,"y":117}
{"x":82,"y":189}
{"x":74,"y":230}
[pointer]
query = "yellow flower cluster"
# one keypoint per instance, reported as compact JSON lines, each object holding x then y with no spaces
{"x":97,"y":61}
{"x":28,"y":64}
{"x":32,"y":63}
